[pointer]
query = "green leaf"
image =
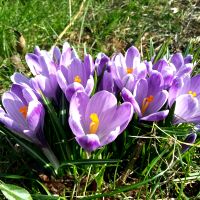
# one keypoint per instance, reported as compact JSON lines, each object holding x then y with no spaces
{"x":13,"y":192}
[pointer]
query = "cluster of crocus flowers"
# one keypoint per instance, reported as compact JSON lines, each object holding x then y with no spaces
{"x":100,"y":110}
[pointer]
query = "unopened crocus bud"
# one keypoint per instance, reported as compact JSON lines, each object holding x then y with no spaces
{"x":189,"y":139}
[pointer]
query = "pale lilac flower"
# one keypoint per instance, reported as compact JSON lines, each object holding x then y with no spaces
{"x":186,"y":85}
{"x":24,"y":114}
{"x":148,"y":98}
{"x":128,"y":69}
{"x":104,"y":72}
{"x":44,"y":69}
{"x":187,"y":109}
{"x":97,"y":121}
{"x":76,"y":76}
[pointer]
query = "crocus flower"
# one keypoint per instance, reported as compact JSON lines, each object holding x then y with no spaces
{"x":189,"y":139}
{"x":24,"y":114}
{"x":97,"y":121}
{"x":104,"y":72}
{"x":187,"y":109}
{"x":128,"y":69}
{"x":183,"y":65}
{"x":148,"y":98}
{"x":186,"y":85}
{"x":43,"y":68}
{"x":76,"y":76}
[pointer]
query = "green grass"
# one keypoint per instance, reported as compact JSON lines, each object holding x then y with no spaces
{"x":109,"y":26}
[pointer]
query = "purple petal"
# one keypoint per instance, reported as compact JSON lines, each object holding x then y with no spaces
{"x":191,"y":138}
{"x":158,"y":116}
{"x":72,"y":88}
{"x":89,"y":85}
{"x":35,"y":116}
{"x":88,"y":64}
{"x":128,"y":82}
{"x":173,"y":91}
{"x":155,"y":83}
{"x":188,"y":59}
{"x":186,"y":106}
{"x":32,"y":62}
{"x":158,"y":102}
{"x":128,"y":97}
{"x":107,"y":82}
{"x":177,"y":60}
{"x":140,"y":71}
{"x":20,"y":79}
{"x":187,"y":69}
{"x":141,"y":89}
{"x":131,"y":54}
{"x":12,"y":105}
{"x":100,"y":63}
{"x":77,"y":109}
{"x":89,"y":142}
{"x":104,"y":104}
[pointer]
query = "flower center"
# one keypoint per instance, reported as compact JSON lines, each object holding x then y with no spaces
{"x":94,"y":124}
{"x":146,"y":102}
{"x":129,"y":70}
{"x":77,"y":79}
{"x":23,"y":110}
{"x":194,"y":94}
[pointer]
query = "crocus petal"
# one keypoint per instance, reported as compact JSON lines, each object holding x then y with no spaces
{"x":155,"y":83}
{"x":89,"y":142}
{"x":131,"y":54}
{"x":72,"y":88}
{"x":186,"y":106}
{"x":128,"y":97}
{"x":140,"y":71}
{"x":45,"y":85}
{"x":158,"y":116}
{"x":189,"y":139}
{"x":104,"y":104}
{"x":177,"y":60}
{"x":89,"y":85}
{"x":12,"y":105}
{"x":35,"y":115}
{"x":100,"y":63}
{"x":128,"y":82}
{"x":32,"y":62}
{"x":173,"y":91}
{"x":188,"y":59}
{"x":187,"y":69}
{"x":195,"y":84}
{"x":20,"y":79}
{"x":88,"y":64}
{"x":77,"y":109}
{"x":159,"y":100}
{"x":141,"y":91}
{"x":107,"y":82}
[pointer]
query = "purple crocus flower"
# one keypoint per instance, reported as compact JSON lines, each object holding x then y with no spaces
{"x":187,"y":109}
{"x":186,"y":85}
{"x":148,"y":98}
{"x":76,"y":76}
{"x":97,"y":121}
{"x":43,"y":68}
{"x":24,"y":114}
{"x":104,"y":72}
{"x":191,"y":138}
{"x":183,"y":65}
{"x":128,"y":69}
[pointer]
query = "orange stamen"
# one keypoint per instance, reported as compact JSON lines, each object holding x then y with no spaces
{"x":23,"y":110}
{"x":146,"y":102}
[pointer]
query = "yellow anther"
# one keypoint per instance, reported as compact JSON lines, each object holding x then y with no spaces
{"x":23,"y":110}
{"x":194,"y":94}
{"x":77,"y":79}
{"x":146,"y":102}
{"x":129,"y":70}
{"x":94,"y":124}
